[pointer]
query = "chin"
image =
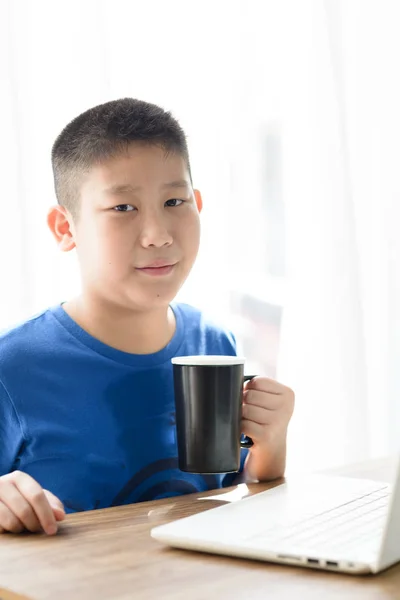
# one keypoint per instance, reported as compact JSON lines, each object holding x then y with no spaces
{"x":149,"y":302}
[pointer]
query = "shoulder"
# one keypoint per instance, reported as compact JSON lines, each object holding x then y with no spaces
{"x":212,"y":336}
{"x":25,"y":338}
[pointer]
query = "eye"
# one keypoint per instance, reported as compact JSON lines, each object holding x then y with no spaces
{"x":174,"y":202}
{"x":124,"y":208}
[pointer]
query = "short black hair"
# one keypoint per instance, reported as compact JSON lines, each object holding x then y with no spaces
{"x":105,"y":131}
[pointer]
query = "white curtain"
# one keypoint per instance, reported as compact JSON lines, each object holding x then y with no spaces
{"x":321,"y":73}
{"x":341,"y":332}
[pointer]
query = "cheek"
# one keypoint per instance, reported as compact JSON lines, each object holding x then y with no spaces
{"x":116,"y":255}
{"x":190,"y":235}
{"x":104,"y":250}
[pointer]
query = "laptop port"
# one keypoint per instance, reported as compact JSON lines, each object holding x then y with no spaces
{"x":331,"y":563}
{"x":289,"y":557}
{"x":313,"y":561}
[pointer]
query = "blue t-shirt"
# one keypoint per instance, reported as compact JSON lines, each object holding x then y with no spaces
{"x":92,"y":424}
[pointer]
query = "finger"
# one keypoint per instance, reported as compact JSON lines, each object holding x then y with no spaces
{"x":53,"y":500}
{"x":59,"y":514}
{"x":253,"y":430}
{"x":20,"y":507}
{"x":262,"y":399}
{"x":35,"y":495}
{"x":8,"y":521}
{"x":264,"y":384}
{"x":56,"y":505}
{"x":256,"y":414}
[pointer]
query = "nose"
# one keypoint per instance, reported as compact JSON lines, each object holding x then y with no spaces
{"x":154,"y":231}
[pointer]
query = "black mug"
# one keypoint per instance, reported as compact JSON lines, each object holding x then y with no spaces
{"x":208,"y":402}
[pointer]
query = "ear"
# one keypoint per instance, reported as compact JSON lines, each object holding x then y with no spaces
{"x":199,"y":200}
{"x":60,"y":224}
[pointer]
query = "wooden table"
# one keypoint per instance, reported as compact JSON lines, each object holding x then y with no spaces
{"x":109,"y":554}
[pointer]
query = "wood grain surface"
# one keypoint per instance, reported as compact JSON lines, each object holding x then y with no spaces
{"x":109,"y":554}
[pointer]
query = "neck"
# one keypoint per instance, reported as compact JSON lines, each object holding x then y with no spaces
{"x":136,"y":332}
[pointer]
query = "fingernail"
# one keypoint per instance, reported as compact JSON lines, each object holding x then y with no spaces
{"x":57,"y":508}
{"x":51,"y":529}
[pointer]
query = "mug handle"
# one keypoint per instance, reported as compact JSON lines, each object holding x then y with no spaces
{"x":247,"y":442}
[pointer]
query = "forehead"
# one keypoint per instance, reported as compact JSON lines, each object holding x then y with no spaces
{"x":139,"y":167}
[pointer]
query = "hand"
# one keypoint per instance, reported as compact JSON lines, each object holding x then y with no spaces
{"x":267,"y":409}
{"x":24,"y":505}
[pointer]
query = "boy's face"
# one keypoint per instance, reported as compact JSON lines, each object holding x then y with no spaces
{"x":138,"y":230}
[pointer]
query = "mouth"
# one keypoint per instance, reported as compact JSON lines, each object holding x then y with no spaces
{"x":157,"y":269}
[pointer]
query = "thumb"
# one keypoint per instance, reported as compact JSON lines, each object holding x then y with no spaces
{"x":56,"y":505}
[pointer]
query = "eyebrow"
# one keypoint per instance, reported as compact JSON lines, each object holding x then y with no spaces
{"x":121,"y":189}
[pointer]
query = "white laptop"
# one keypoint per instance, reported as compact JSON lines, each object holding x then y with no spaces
{"x":320,"y":521}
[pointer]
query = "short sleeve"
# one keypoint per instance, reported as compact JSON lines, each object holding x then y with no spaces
{"x":229,"y":344}
{"x":11,"y":437}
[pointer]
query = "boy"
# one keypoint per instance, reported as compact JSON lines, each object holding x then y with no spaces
{"x":86,"y":393}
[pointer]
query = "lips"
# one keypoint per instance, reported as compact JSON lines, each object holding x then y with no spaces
{"x":157,"y":264}
{"x":157,"y":268}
